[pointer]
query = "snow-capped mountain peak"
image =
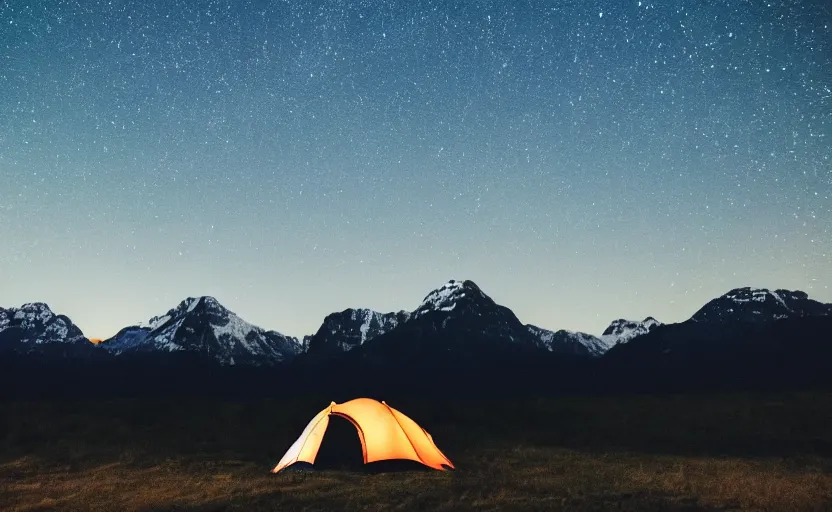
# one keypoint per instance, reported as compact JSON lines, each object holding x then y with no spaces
{"x":760,"y":304}
{"x":450,"y":295}
{"x":32,"y":312}
{"x":203,"y":325}
{"x":36,"y":323}
{"x":184,"y":307}
{"x":623,"y":330}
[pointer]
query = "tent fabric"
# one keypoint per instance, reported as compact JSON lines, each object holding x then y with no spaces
{"x":385,"y":434}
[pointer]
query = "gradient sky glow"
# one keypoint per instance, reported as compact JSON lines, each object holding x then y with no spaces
{"x":580,"y":161}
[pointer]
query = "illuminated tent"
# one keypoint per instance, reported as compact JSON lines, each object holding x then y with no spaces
{"x":385,"y":434}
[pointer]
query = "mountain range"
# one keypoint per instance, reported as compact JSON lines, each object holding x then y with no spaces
{"x":457,"y":335}
{"x":202,"y":325}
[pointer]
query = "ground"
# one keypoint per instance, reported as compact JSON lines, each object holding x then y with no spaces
{"x":671,"y":452}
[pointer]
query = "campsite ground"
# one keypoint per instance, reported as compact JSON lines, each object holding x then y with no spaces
{"x":693,"y":452}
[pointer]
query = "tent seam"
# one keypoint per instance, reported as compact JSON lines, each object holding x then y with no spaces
{"x":303,"y":445}
{"x":430,"y":438}
{"x":405,"y":433}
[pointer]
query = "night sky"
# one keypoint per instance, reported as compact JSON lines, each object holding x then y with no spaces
{"x":580,"y":161}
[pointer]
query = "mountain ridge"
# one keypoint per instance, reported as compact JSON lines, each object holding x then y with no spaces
{"x":203,"y":325}
{"x":754,"y":304}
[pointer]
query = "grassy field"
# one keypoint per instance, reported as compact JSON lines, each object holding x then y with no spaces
{"x":703,"y":452}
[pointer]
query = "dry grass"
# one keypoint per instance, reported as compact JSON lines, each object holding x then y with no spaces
{"x":580,"y":454}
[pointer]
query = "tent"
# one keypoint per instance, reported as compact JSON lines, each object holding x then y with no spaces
{"x":385,"y":434}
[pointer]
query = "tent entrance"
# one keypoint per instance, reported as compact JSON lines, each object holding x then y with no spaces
{"x":341,"y":450}
{"x":341,"y":447}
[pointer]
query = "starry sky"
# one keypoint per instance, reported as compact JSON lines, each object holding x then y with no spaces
{"x":579,"y":160}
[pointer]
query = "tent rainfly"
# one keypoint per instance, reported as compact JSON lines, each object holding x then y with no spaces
{"x":385,"y":434}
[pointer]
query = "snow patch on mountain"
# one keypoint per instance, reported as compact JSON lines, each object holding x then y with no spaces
{"x":779,"y":299}
{"x":155,"y":322}
{"x":125,"y":340}
{"x":564,"y":341}
{"x":761,"y":295}
{"x":443,"y":298}
{"x":192,"y":302}
{"x":58,"y":329}
{"x":237,"y":330}
{"x":30,"y":313}
{"x":364,"y":328}
{"x":596,"y":346}
{"x":163,"y":335}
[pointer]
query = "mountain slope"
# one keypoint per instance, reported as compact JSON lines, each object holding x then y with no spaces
{"x":341,"y":332}
{"x":698,"y":345}
{"x":203,"y":326}
{"x":568,"y":342}
{"x":745,"y":332}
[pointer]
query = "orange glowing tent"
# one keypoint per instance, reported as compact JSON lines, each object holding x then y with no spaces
{"x":385,"y":434}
